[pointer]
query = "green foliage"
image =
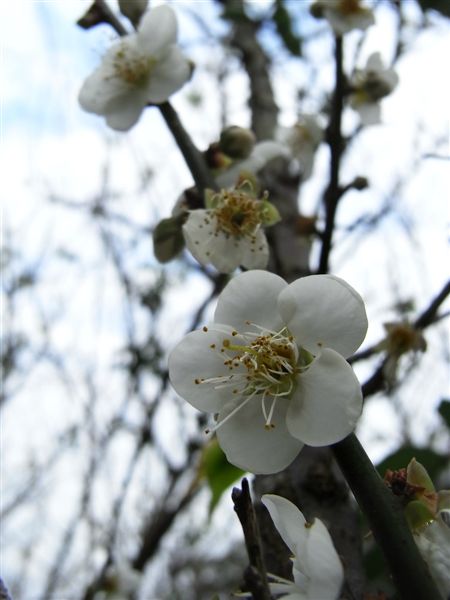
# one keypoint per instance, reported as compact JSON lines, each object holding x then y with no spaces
{"x":432,"y":461}
{"x":442,"y":6}
{"x":283,"y":24}
{"x":168,"y":240}
{"x":219,"y":473}
{"x":444,"y":411}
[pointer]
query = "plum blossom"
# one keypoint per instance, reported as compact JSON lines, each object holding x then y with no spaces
{"x":271,"y":367}
{"x":370,"y":85}
{"x":229,"y":232}
{"x":303,"y":139}
{"x":317,"y":569}
{"x":142,"y":67}
{"x":344,"y":15}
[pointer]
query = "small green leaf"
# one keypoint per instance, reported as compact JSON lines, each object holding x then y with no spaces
{"x":283,"y":24}
{"x":432,"y":461}
{"x":168,"y":239}
{"x":444,"y":411}
{"x":219,"y":473}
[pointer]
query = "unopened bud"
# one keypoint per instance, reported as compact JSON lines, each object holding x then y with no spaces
{"x":168,"y":239}
{"x":316,"y":10}
{"x":133,"y":9}
{"x":360,"y":183}
{"x":237,"y":142}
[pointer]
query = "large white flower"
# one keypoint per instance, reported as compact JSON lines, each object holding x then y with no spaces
{"x":272,"y":367}
{"x":344,"y":15}
{"x":143,"y":67}
{"x":317,"y":569}
{"x":229,"y":233}
{"x":370,"y":85}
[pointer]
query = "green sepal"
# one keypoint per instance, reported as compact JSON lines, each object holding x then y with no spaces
{"x":168,"y":239}
{"x":211,"y":198}
{"x":219,"y":473}
{"x":416,"y":474}
{"x":417,"y":515}
{"x":269,"y":213}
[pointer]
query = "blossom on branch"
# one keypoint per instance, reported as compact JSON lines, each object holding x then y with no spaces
{"x":343,"y":15}
{"x":316,"y":566}
{"x":369,"y":86}
{"x":228,"y":233}
{"x":303,"y":139}
{"x":271,"y":367}
{"x":143,"y":67}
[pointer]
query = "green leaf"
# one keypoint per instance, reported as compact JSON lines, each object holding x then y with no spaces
{"x":432,"y":461}
{"x":444,"y":411}
{"x":283,"y":24}
{"x":442,"y":6}
{"x":168,"y":239}
{"x":219,"y":473}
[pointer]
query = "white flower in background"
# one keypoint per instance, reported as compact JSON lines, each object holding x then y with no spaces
{"x":344,"y":15}
{"x":317,"y":569}
{"x":303,"y":139}
{"x":272,"y":367}
{"x":370,"y":85}
{"x":261,"y":155}
{"x":142,"y":67}
{"x":433,"y":542}
{"x":229,"y":233}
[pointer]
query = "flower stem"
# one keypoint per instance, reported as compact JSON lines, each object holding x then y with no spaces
{"x":386,"y":518}
{"x":194,"y":160}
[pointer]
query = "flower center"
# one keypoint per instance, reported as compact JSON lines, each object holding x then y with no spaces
{"x":264,"y":364}
{"x":132,"y":67}
{"x":237,"y":214}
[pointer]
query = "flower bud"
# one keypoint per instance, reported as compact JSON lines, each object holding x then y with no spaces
{"x":168,"y":240}
{"x":237,"y":142}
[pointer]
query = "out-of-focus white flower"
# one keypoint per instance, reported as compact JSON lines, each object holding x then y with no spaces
{"x":229,"y":232}
{"x":370,"y":85}
{"x":344,"y":15}
{"x":261,"y":155}
{"x":433,"y":542}
{"x":143,"y":67}
{"x":317,"y":569}
{"x":272,"y":367}
{"x":303,"y":139}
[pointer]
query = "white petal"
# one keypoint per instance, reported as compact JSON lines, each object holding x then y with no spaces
{"x":251,"y":296}
{"x":208,"y":245}
{"x":324,"y":311}
{"x":254,"y":253}
{"x":193,"y":358}
{"x":100,"y":89}
{"x":248,"y":445}
{"x":374,"y":62}
{"x":168,"y":76}
{"x":124,"y":112}
{"x":369,"y":113}
{"x":325,"y":571}
{"x":157,"y":30}
{"x":326,"y":403}
{"x":288,"y":520}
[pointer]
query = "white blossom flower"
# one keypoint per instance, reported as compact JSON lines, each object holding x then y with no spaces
{"x":272,"y":367}
{"x":433,"y":542}
{"x":303,"y":139}
{"x":344,"y":15}
{"x":370,"y":85}
{"x":229,"y":233}
{"x":142,"y":67}
{"x":317,"y":569}
{"x":261,"y":155}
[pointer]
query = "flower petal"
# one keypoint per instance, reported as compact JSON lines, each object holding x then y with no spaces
{"x":249,"y":445}
{"x":369,"y":113}
{"x":254,"y":253}
{"x":100,"y":89}
{"x":251,"y":296}
{"x":326,"y":403}
{"x":324,"y":568}
{"x":124,"y":112}
{"x":157,"y":30}
{"x":168,"y":75}
{"x":324,"y":311}
{"x":193,"y":359}
{"x":288,"y":520}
